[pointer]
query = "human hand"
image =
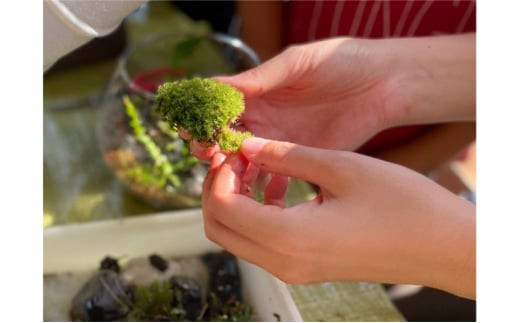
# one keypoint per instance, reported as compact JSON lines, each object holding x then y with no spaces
{"x":314,"y":94}
{"x":337,"y":93}
{"x":373,"y":221}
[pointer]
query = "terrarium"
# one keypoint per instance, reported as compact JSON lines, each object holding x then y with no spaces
{"x":141,"y":149}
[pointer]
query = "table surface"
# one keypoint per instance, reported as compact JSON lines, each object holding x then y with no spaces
{"x":78,"y":187}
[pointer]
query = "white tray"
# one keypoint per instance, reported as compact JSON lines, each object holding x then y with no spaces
{"x":80,"y":247}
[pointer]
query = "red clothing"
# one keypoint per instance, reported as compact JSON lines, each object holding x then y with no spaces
{"x":313,"y":20}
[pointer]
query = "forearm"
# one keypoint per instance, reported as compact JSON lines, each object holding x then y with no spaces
{"x":432,"y":149}
{"x":429,"y":240}
{"x":434,"y":76}
{"x":445,"y":250}
{"x":456,"y":256}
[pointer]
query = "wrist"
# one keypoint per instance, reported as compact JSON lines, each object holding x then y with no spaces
{"x":446,"y":259}
{"x":433,"y":245}
{"x":430,"y":79}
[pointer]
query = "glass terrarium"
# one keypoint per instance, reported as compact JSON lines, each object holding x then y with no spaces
{"x":143,"y":151}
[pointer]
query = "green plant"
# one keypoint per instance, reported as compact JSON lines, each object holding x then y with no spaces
{"x":158,"y":301}
{"x":205,"y":108}
{"x":153,"y":303}
{"x":162,"y":171}
{"x":232,"y":310}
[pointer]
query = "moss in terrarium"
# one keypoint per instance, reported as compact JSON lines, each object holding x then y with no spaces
{"x":159,"y":301}
{"x":232,"y":310}
{"x":205,"y":108}
{"x":152,"y":302}
{"x":162,"y":171}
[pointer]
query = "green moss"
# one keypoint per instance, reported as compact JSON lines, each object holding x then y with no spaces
{"x":158,"y":301}
{"x":231,"y":311}
{"x":152,"y":302}
{"x":205,"y":108}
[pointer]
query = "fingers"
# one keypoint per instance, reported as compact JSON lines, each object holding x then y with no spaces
{"x":237,"y":244}
{"x":216,"y":161}
{"x":228,"y":177}
{"x":275,"y":191}
{"x":184,"y":134}
{"x":248,"y":181}
{"x":314,"y":165}
{"x":199,"y":150}
{"x":265,"y":224}
{"x":272,"y":74}
{"x":203,"y":152}
{"x":241,"y":213}
{"x":274,"y":186}
{"x":217,"y":232}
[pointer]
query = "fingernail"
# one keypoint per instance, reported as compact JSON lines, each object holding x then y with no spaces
{"x":252,"y":146}
{"x":217,"y":159}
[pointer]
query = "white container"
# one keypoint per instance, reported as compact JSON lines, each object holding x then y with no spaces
{"x":80,"y":247}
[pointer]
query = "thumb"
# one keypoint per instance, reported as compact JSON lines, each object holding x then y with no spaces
{"x":272,"y":74}
{"x":318,"y":166}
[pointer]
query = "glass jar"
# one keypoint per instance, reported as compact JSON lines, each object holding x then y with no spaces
{"x":143,"y":152}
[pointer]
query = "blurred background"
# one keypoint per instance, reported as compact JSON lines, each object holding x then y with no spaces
{"x":80,"y":187}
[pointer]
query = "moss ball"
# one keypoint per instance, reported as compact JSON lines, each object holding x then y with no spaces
{"x":204,"y":108}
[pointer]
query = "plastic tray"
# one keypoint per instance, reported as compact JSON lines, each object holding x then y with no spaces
{"x":79,"y":247}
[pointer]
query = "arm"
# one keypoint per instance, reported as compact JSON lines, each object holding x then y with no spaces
{"x":435,"y":77}
{"x":373,"y":221}
{"x":338,"y":93}
{"x":432,"y":149}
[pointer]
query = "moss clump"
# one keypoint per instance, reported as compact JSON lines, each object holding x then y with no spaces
{"x":205,"y":108}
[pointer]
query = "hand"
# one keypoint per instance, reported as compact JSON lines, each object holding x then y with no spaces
{"x":314,"y":94}
{"x":373,"y":221}
{"x":337,"y":93}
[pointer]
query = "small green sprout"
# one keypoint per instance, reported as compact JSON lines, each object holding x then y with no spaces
{"x":205,"y":108}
